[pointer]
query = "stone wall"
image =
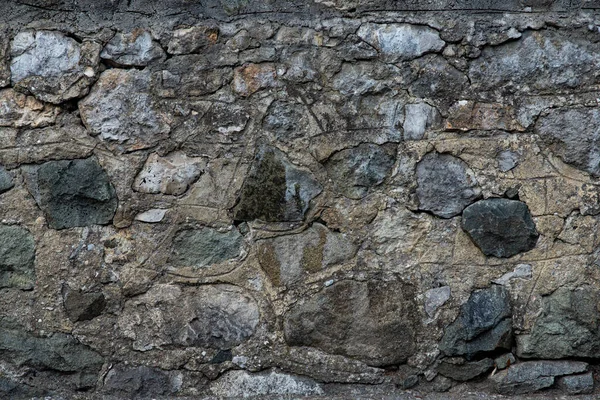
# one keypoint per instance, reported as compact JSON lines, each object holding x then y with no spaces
{"x":250,"y":198}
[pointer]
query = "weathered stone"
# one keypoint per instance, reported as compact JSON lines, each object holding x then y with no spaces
{"x":209,"y":316}
{"x":573,"y":135}
{"x":120,"y":109}
{"x":418,"y":119}
{"x":58,"y":352}
{"x":521,"y":271}
{"x":18,"y":110}
{"x":238,"y":384}
{"x":483,"y":325}
{"x":17,"y":256}
{"x":289,"y":258}
{"x":532,"y":376}
{"x":132,"y":49}
{"x":435,"y":298}
{"x":370,"y":321}
{"x":577,"y":384}
{"x":4,"y":58}
{"x":138,"y":382}
{"x":355,"y":171}
{"x":172,"y":174}
{"x":51,"y":66}
{"x":467,"y":115}
{"x":466,"y":371}
{"x":151,"y":216}
{"x":6,"y":180}
{"x":446,"y":185}
{"x":251,"y":78}
{"x":436,"y":78}
{"x":72,"y":192}
{"x":504,"y":361}
{"x":189,"y":76}
{"x":203,"y":247}
{"x":507,"y":160}
{"x":500,"y":227}
{"x":275,"y":189}
{"x":399,"y":42}
{"x":11,"y":389}
{"x":191,"y":40}
{"x":83,"y":306}
{"x":566,"y":327}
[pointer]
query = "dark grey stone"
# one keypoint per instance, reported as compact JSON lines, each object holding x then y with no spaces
{"x":204,"y":247}
{"x":137,"y":382}
{"x":72,"y":192}
{"x":17,"y":257}
{"x":500,"y":227}
{"x":531,"y":376}
{"x":505,"y":361}
{"x":83,"y":306}
{"x":577,"y":384}
{"x":484,"y":324}
{"x":371,"y":321}
{"x":10,"y":389}
{"x":445,"y":185}
{"x":354,"y":171}
{"x":275,"y":189}
{"x":6,"y":180}
{"x":467,"y":371}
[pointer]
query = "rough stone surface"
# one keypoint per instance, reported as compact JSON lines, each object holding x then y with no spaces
{"x":18,"y":110}
{"x":446,"y":186}
{"x":577,"y":384}
{"x":418,"y":119}
{"x":136,"y":48}
{"x":83,"y":306}
{"x":138,"y":382}
{"x":6,"y":180}
{"x":243,"y":384}
{"x":500,"y":227}
{"x":204,"y":247}
{"x":72,"y":192}
{"x":17,"y":256}
{"x":435,"y":298}
{"x":466,"y":371}
{"x":172,"y":174}
{"x":52,"y":66}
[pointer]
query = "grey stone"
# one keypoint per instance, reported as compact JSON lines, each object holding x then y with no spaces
{"x":521,"y":271}
{"x":121,"y":110}
{"x":18,"y":110}
{"x":58,"y":352}
{"x":400,"y":42}
{"x":11,"y":389}
{"x":435,"y":298}
{"x":355,"y":171}
{"x":238,"y":384}
{"x":72,"y":192}
{"x":201,"y":248}
{"x":500,"y":227}
{"x":17,"y":256}
{"x":6,"y":180}
{"x":83,"y":306}
{"x":135,"y":48}
{"x":573,"y":135}
{"x":466,"y":371}
{"x":532,"y":376}
{"x":577,"y":384}
{"x":483,"y":325}
{"x":372,"y":321}
{"x":507,"y":160}
{"x":505,"y":361}
{"x":445,"y":185}
{"x":191,"y":40}
{"x":275,"y":189}
{"x":566,"y":327}
{"x":434,"y":77}
{"x":172,"y":174}
{"x":138,"y":382}
{"x":418,"y":119}
{"x":51,"y":66}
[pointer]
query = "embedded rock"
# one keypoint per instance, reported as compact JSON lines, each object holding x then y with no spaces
{"x":136,"y":48}
{"x":139,"y":382}
{"x":435,"y":298}
{"x":201,"y":248}
{"x":483,"y":325}
{"x":238,"y":384}
{"x":121,"y":109}
{"x":418,"y":119}
{"x":17,"y":256}
{"x":372,"y":321}
{"x":83,"y":306}
{"x":191,"y":40}
{"x":466,"y":371}
{"x":355,"y":171}
{"x":6,"y":180}
{"x":51,"y":66}
{"x":18,"y":111}
{"x":275,"y":189}
{"x":445,"y":185}
{"x":500,"y":227}
{"x":251,"y":78}
{"x":577,"y":384}
{"x":72,"y":192}
{"x":172,"y":174}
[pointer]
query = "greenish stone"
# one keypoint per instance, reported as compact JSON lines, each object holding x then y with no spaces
{"x":6,"y":180}
{"x":17,"y":255}
{"x":204,"y":247}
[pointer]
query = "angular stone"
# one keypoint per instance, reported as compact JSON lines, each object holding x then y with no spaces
{"x":11,"y":389}
{"x":72,"y":192}
{"x":4,"y":58}
{"x":275,"y":189}
{"x":120,"y":109}
{"x":521,"y":271}
{"x":446,"y":185}
{"x":51,"y":66}
{"x":483,"y":325}
{"x":251,"y":78}
{"x":418,"y":119}
{"x":435,"y":298}
{"x":467,"y":371}
{"x":531,"y":376}
{"x":83,"y":306}
{"x":577,"y":384}
{"x":467,"y":115}
{"x":504,"y":361}
{"x":172,"y":174}
{"x":436,"y":78}
{"x":18,"y":111}
{"x":58,"y":352}
{"x":201,"y":248}
{"x":6,"y":180}
{"x":132,"y":49}
{"x":191,"y":40}
{"x":356,"y":170}
{"x":138,"y":382}
{"x":238,"y":384}
{"x":17,"y":256}
{"x":500,"y":227}
{"x":566,"y":327}
{"x":370,"y":321}
{"x":400,"y":42}
{"x":573,"y":134}
{"x":507,"y":160}
{"x":287,"y":259}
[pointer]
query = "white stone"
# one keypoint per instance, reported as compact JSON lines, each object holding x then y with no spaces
{"x":237,"y":384}
{"x":151,"y":216}
{"x":522,"y":271}
{"x":419,"y":117}
{"x":172,"y":174}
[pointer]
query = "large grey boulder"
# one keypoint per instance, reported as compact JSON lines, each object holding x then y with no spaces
{"x":17,"y":256}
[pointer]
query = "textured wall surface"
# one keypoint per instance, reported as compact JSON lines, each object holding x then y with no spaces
{"x":298,"y":197}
